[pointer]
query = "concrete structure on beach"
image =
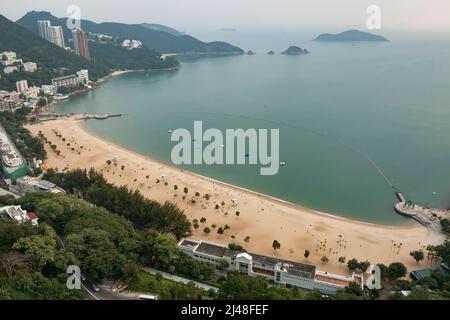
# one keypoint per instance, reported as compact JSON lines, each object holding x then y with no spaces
{"x":276,"y":271}
{"x":428,"y":217}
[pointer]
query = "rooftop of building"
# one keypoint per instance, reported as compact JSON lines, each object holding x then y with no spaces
{"x":211,"y":249}
{"x":339,"y":281}
{"x":43,"y":185}
{"x":70,"y":76}
{"x":10,"y":156}
{"x":293,"y":267}
{"x":31,"y":215}
{"x":15,"y":212}
{"x":188,"y":243}
{"x":220,"y":251}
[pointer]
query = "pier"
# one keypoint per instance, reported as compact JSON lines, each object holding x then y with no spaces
{"x":428,"y":217}
{"x":82,"y":116}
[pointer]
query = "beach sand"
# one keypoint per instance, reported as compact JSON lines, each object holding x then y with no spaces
{"x":261,"y":218}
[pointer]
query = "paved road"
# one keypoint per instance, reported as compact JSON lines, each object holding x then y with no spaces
{"x":179,"y":279}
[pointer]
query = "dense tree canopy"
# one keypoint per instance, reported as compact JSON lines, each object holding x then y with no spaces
{"x":166,"y":218}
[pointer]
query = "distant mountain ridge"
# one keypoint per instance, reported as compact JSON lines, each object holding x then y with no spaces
{"x":154,"y":39}
{"x":349,"y":36}
{"x":163,"y":28}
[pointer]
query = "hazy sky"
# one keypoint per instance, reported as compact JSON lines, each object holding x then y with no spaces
{"x":189,"y":15}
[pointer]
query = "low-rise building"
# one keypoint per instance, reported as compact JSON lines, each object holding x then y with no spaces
{"x":32,"y":92}
{"x":32,"y":103}
{"x":277,"y":271}
{"x":49,"y":89}
{"x":131,"y":44}
{"x":8,"y":56}
{"x":66,"y":81}
{"x":29,"y":66}
{"x":10,"y":69}
{"x":83,"y":76}
{"x":9,"y":100}
{"x":17,"y":214}
{"x":10,"y":63}
{"x":27,"y":184}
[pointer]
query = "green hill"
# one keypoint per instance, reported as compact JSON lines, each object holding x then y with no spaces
{"x":151,"y":38}
{"x":160,"y":27}
{"x":48,"y":56}
{"x":51,"y":58}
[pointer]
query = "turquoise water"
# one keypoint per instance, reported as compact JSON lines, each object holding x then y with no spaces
{"x":389,"y":101}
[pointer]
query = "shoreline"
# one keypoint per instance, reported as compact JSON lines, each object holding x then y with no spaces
{"x":101,"y":80}
{"x":116,"y":73}
{"x":410,"y":223}
{"x":262,"y":218}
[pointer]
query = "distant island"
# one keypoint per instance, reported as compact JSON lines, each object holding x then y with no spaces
{"x":271,"y":52}
{"x":350,"y":36}
{"x":295,"y":51}
{"x":250,"y":52}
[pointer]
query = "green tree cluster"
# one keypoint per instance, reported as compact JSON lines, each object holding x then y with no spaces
{"x":132,"y":205}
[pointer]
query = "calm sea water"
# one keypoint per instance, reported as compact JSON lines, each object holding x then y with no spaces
{"x":389,"y":101}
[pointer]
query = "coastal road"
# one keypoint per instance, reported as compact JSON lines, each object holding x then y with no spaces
{"x":179,"y":279}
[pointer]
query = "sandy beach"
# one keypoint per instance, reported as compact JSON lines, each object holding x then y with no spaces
{"x":261,"y":218}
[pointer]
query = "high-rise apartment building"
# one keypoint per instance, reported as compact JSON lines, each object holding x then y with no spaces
{"x":43,"y":27}
{"x":80,"y":43}
{"x":57,"y":36}
{"x":53,"y":34}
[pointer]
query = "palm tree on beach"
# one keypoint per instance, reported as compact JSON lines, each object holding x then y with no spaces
{"x":276,"y":245}
{"x":306,"y":254}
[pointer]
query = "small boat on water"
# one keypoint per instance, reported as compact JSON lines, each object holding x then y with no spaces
{"x":170,"y":131}
{"x":222,"y":146}
{"x":282,"y":163}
